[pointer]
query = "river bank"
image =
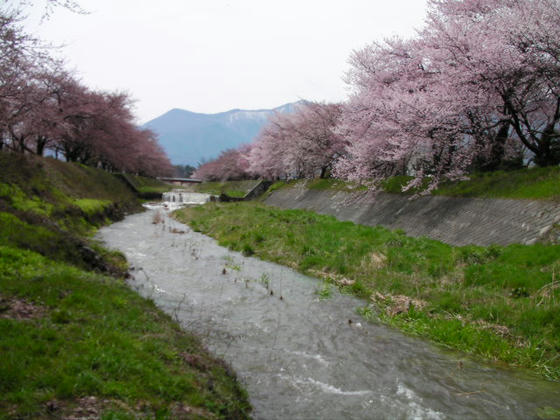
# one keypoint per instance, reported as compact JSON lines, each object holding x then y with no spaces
{"x":501,"y":303}
{"x":454,"y":220}
{"x":76,"y":341}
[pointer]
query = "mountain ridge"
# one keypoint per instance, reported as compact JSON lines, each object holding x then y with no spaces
{"x":190,"y":138}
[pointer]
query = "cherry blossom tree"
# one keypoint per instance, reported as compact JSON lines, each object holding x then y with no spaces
{"x":147,"y":157}
{"x":301,"y":144}
{"x":101,"y":132}
{"x":480,"y":81}
{"x":43,"y":106}
{"x":508,"y":50}
{"x":398,"y":116}
{"x":268,"y":157}
{"x":232,"y":164}
{"x":32,"y":118}
{"x":15,"y":61}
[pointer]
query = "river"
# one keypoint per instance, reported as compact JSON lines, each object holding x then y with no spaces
{"x":304,"y":357}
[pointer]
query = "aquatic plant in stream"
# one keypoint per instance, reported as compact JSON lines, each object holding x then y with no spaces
{"x":325,"y":291}
{"x":265,"y":280}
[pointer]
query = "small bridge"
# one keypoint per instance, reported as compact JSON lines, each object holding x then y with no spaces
{"x":180,"y":181}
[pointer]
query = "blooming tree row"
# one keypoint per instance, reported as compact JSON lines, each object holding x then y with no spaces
{"x":44,"y":107}
{"x":232,"y":164}
{"x":477,"y":89}
{"x":299,"y":144}
{"x":303,"y":144}
{"x":477,"y":86}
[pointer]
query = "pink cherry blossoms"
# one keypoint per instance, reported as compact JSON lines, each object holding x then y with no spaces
{"x":44,"y":107}
{"x":301,"y":144}
{"x":477,"y":89}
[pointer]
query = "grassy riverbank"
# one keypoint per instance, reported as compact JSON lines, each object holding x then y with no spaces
{"x":231,"y":188}
{"x":533,"y":184}
{"x":502,"y":303}
{"x":75,"y":341}
{"x":147,"y":186}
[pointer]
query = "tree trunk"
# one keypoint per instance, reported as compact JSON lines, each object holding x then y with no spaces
{"x":498,"y":150}
{"x":40,"y":146}
{"x":549,"y":148}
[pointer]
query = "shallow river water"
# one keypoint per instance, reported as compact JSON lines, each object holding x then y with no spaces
{"x":298,"y":355}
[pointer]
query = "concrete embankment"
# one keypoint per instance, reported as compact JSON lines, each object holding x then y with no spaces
{"x":456,"y":221}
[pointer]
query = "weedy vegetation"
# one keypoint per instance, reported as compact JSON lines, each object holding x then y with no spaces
{"x":325,"y":291}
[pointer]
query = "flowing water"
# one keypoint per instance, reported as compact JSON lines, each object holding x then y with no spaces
{"x":183,"y":197}
{"x":298,"y":355}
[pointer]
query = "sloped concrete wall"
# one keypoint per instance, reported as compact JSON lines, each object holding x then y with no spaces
{"x":456,"y":221}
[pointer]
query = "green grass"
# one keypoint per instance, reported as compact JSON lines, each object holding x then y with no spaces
{"x":533,"y":183}
{"x":236,"y":193}
{"x":51,"y":188}
{"x":319,"y":184}
{"x":502,"y":303}
{"x":325,"y":291}
{"x":55,"y":244}
{"x":91,"y":206}
{"x":334,"y":184}
{"x":146,"y":185}
{"x":236,"y":189}
{"x":395,"y":184}
{"x":49,"y":206}
{"x":22,"y":202}
{"x":93,"y":336}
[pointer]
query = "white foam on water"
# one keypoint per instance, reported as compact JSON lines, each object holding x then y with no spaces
{"x":177,"y":199}
{"x":164,"y":205}
{"x":326,"y":388}
{"x":185,"y":197}
{"x":316,"y":357}
{"x":414,"y":403}
{"x":159,"y":289}
{"x":152,"y":206}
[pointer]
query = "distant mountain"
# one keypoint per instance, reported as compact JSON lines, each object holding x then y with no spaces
{"x":189,"y":137}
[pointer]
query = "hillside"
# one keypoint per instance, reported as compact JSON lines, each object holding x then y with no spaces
{"x":189,"y":137}
{"x":76,"y":341}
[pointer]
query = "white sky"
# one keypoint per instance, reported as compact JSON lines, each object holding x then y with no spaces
{"x":214,"y":55}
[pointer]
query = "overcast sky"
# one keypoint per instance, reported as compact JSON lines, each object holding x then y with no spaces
{"x":214,"y":55}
